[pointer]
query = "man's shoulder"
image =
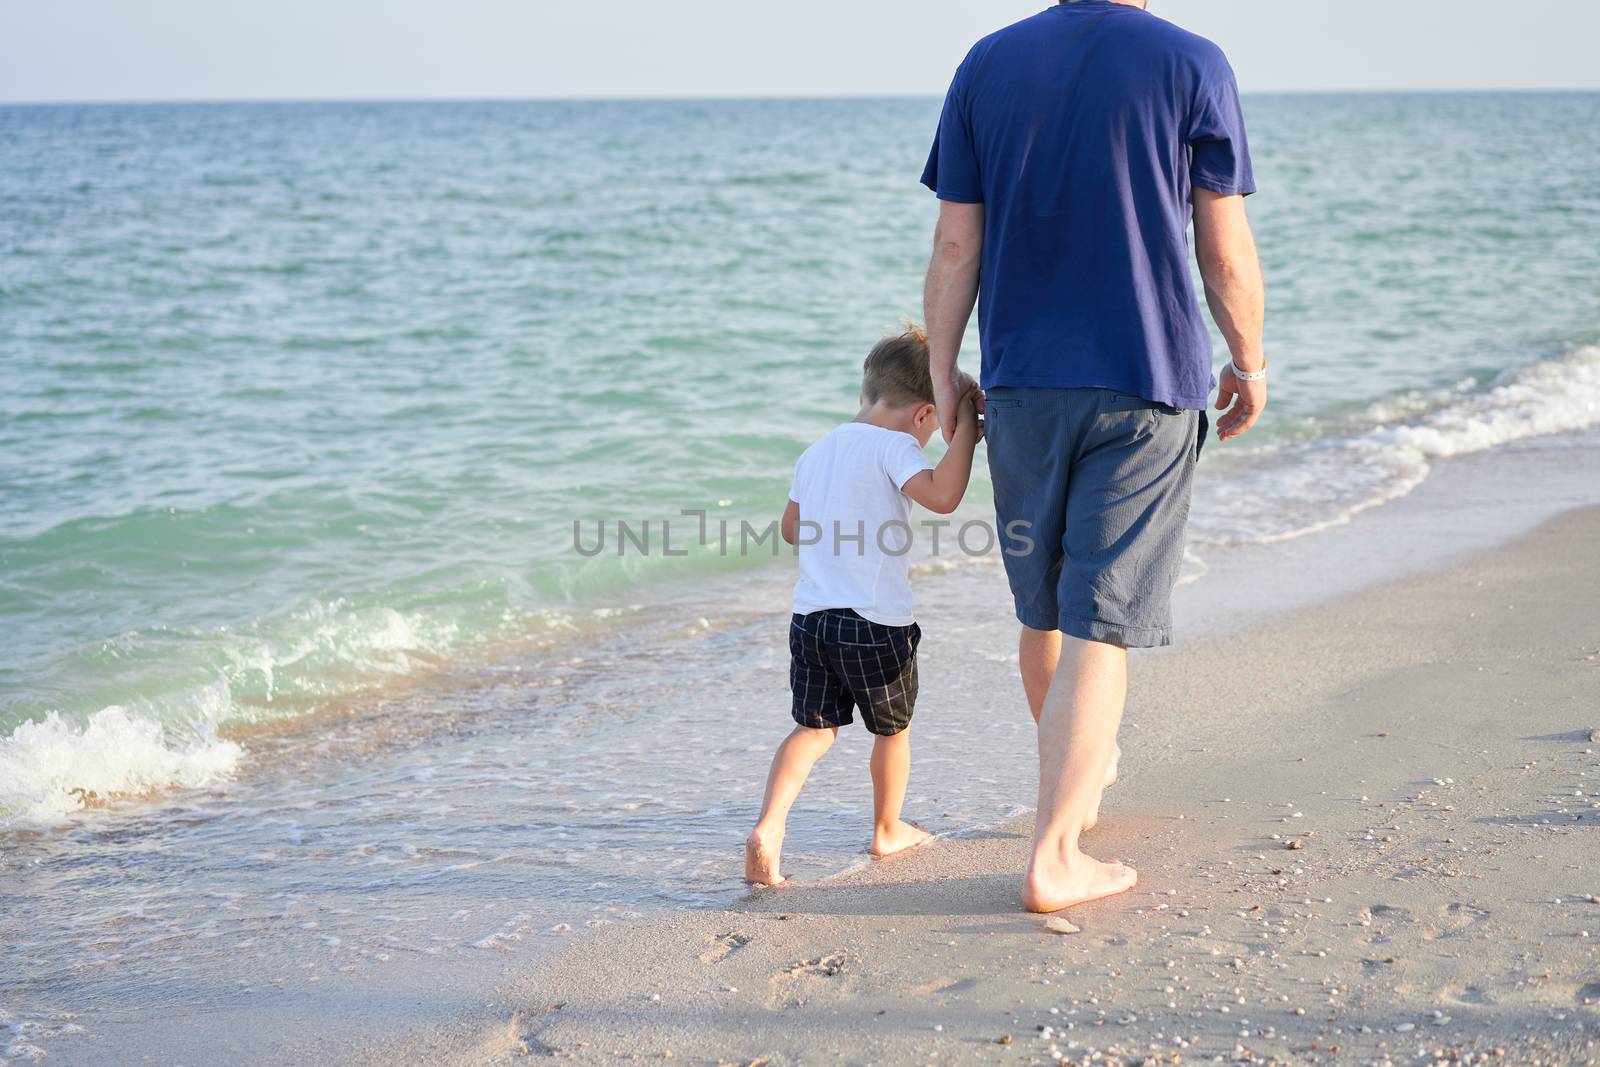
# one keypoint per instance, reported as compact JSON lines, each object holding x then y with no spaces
{"x":1204,"y":53}
{"x":1134,"y":28}
{"x":1017,"y":32}
{"x":1020,"y":34}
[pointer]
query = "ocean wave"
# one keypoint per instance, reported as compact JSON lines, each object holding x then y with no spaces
{"x":1285,"y":490}
{"x":176,"y":689}
{"x":51,"y":768}
{"x":1556,"y":396}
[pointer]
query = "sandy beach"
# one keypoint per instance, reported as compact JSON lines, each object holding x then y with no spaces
{"x":323,"y":736}
{"x":1365,"y":834}
{"x":394,"y":622}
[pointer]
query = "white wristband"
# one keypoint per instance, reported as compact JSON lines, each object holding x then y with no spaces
{"x":1248,"y":376}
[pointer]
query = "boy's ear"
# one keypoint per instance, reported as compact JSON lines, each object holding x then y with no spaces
{"x":924,"y":412}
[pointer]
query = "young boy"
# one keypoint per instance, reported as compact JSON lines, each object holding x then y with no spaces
{"x":852,"y":640}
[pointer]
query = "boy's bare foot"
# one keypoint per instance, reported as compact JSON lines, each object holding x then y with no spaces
{"x":898,"y":838}
{"x":761,"y":855}
{"x":1052,"y":885}
{"x":1111,"y":780}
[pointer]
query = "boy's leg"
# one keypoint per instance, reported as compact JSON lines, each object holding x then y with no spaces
{"x":891,"y":767}
{"x":790,"y":768}
{"x":821,"y":706}
{"x":879,"y":665}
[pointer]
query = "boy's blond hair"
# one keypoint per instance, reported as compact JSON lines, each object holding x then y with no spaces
{"x":896,"y":370}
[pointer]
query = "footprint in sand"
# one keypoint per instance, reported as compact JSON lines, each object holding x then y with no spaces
{"x":799,"y":982}
{"x":1589,"y":995}
{"x":724,"y":944}
{"x":1470,"y":996}
{"x":1381,"y":921}
{"x":1453,"y":920}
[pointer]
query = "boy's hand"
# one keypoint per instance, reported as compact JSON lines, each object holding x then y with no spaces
{"x":947,"y":396}
{"x":967,"y":421}
{"x":941,"y":489}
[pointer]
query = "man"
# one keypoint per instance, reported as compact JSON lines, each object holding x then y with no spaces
{"x":1073,"y":150}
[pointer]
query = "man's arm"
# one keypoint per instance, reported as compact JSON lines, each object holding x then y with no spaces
{"x":1236,"y":295}
{"x":948,"y":295}
{"x":941,"y":489}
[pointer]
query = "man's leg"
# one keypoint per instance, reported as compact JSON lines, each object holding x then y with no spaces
{"x":1127,"y":508}
{"x":1039,"y":653}
{"x":891,"y":767}
{"x":1077,"y":739}
{"x":790,"y":767}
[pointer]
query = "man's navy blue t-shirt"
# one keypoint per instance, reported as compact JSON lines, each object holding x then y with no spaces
{"x":1082,"y":130}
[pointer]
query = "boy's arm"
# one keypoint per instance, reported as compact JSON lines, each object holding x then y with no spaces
{"x":790,"y":522}
{"x":941,"y":489}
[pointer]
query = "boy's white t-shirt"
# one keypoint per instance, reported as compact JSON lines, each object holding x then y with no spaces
{"x":847,"y":484}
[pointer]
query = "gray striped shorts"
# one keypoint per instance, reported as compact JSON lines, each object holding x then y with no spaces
{"x":839,"y":661}
{"x":1091,"y":489}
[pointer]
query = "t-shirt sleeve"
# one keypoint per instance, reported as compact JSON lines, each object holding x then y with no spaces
{"x":1221,"y":160}
{"x":903,"y":460}
{"x":952,"y":168}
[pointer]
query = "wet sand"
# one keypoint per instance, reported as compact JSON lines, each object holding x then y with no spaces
{"x":1366,"y":831}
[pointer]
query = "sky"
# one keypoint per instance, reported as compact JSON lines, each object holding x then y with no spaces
{"x":410,"y":49}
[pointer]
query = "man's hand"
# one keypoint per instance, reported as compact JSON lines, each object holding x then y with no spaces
{"x":1249,"y":399}
{"x":949,"y":395}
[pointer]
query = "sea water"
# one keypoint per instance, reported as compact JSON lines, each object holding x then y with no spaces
{"x":300,"y":405}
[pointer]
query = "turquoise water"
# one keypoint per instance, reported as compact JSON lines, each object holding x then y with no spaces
{"x":302,"y":400}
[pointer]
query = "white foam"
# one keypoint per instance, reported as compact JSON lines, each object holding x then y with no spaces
{"x":1285,"y":490}
{"x":274,"y":667}
{"x":326,"y":649}
{"x":1557,"y":396}
{"x":52,"y":767}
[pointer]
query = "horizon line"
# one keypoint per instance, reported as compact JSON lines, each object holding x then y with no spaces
{"x":717,"y":97}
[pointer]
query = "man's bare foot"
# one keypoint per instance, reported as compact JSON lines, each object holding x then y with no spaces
{"x":901,"y":836}
{"x":1110,"y":780}
{"x":761,"y":855}
{"x":1051,"y":885}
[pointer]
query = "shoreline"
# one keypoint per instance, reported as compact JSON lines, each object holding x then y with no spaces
{"x":1430,"y":750}
{"x":970,"y":666}
{"x":1533,"y":477}
{"x":1545,"y":482}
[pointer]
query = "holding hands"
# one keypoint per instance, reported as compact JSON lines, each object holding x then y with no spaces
{"x":959,"y":401}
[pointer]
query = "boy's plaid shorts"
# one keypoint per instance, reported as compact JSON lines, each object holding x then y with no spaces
{"x":839,"y":661}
